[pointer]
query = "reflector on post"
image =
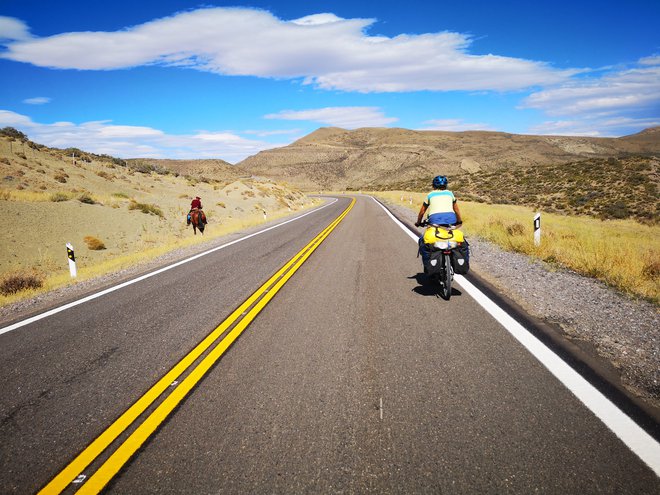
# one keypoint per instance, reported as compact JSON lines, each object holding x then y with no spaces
{"x":72,"y":260}
{"x":537,"y":229}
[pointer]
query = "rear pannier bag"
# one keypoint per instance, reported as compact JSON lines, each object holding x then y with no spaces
{"x":435,"y":260}
{"x":460,"y":260}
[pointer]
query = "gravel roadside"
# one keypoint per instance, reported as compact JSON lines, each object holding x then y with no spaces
{"x":623,"y":331}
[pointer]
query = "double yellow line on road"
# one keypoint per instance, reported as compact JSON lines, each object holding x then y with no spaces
{"x":240,"y":318}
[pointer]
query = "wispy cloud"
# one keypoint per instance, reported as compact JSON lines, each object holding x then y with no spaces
{"x":103,"y":137}
{"x":618,"y":100}
{"x":13,"y":29}
{"x":39,"y":100}
{"x":346,"y":117}
{"x":596,"y":127}
{"x":454,"y":125}
{"x":280,"y":132}
{"x":322,"y":49}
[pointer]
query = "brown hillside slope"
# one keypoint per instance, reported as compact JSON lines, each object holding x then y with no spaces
{"x":607,"y":188}
{"x":115,"y":213}
{"x":215,"y":169}
{"x":333,"y":158}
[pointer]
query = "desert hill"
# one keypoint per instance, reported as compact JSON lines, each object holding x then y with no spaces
{"x":606,"y":188}
{"x":114,"y":212}
{"x":334,"y":158}
{"x":204,"y":169}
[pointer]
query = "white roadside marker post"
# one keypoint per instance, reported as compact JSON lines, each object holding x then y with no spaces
{"x":537,"y":229}
{"x":72,"y":260}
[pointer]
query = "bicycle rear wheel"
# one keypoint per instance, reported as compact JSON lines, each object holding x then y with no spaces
{"x":446,"y":277}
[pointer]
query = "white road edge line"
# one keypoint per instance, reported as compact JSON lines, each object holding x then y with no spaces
{"x":637,"y":440}
{"x":64,"y":307}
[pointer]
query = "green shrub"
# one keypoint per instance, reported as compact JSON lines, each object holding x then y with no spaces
{"x":616,"y":210}
{"x":146,"y":168}
{"x":13,"y":133}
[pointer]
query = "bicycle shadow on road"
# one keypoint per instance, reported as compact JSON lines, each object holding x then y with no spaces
{"x":428,"y":287}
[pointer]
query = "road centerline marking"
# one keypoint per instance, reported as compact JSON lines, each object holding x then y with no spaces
{"x":114,"y":288}
{"x":242,"y":317}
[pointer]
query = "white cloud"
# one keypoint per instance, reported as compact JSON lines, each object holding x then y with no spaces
{"x":595,"y":127}
{"x":39,"y":100}
{"x":317,"y":19}
{"x":629,"y":89}
{"x":321,"y":49}
{"x":454,"y":125}
{"x":345,"y":117}
{"x":618,"y":102}
{"x":13,"y":29}
{"x":12,"y":119}
{"x":272,"y":133}
{"x":136,"y":141}
{"x":652,"y":60}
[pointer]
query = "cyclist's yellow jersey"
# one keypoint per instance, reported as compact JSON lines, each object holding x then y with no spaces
{"x":440,"y":207}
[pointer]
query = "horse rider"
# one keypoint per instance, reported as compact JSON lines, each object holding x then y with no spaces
{"x":195,"y":204}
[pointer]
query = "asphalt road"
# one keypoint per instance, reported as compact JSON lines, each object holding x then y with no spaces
{"x":355,"y":378}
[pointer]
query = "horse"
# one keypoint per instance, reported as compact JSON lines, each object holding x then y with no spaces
{"x":198,"y":220}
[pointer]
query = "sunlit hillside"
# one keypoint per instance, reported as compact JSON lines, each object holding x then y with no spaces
{"x":383,"y":158}
{"x":612,"y":188}
{"x":113,"y":213}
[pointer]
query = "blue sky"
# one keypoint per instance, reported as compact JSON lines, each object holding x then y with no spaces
{"x":175,"y":79}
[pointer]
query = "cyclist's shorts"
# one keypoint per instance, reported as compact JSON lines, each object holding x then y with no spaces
{"x":445,"y":218}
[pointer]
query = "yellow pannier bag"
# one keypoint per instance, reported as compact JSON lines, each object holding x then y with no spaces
{"x":434,"y":234}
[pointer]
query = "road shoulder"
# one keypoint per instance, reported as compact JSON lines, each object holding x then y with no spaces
{"x":609,"y":338}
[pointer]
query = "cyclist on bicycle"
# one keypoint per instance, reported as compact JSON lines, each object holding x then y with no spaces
{"x":440,"y":205}
{"x":442,"y":209}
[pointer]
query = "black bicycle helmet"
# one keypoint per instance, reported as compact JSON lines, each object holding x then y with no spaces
{"x":439,"y":181}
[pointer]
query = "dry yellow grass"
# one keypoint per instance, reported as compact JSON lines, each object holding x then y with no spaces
{"x":622,"y":253}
